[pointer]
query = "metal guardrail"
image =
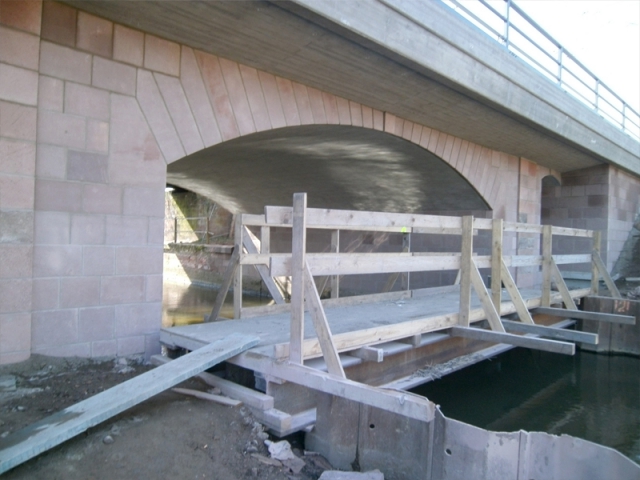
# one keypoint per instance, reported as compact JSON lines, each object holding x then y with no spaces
{"x":525,"y":39}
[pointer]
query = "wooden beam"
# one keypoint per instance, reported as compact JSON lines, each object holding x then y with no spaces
{"x":582,"y":315}
{"x":55,"y":429}
{"x":465,"y":270}
{"x":413,"y":340}
{"x":595,"y":276}
{"x":298,"y":248}
{"x":550,"y":332}
{"x":496,"y":262}
{"x":335,"y":279}
{"x":516,"y":298}
{"x":368,"y":354}
{"x":208,"y":396}
{"x":329,"y":352}
{"x":229,"y":275}
{"x":562,"y":287}
{"x":516,"y":340}
{"x":489,"y":309}
{"x":406,"y":247}
{"x":237,"y":280}
{"x":254,"y":246}
{"x":546,"y":265}
{"x":602,"y":268}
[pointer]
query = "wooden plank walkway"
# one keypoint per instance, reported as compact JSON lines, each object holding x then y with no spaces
{"x":55,"y":429}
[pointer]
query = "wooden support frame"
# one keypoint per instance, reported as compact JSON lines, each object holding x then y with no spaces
{"x":465,"y":271}
{"x":229,"y":275}
{"x":516,"y":340}
{"x":595,"y":276}
{"x":335,"y":279}
{"x":514,"y":293}
{"x":562,"y":287}
{"x":255,"y":246}
{"x":582,"y":315}
{"x":298,"y":248}
{"x":602,"y":269}
{"x":546,"y":264}
{"x":237,"y":279}
{"x":550,"y":332}
{"x":496,"y":262}
{"x":490,"y":310}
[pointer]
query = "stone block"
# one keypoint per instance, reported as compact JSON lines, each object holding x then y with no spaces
{"x":257,"y":104}
{"x":59,"y":23}
{"x":317,"y":106}
{"x":17,"y":121}
{"x":102,"y":199}
{"x":87,"y":229}
{"x":302,"y":101}
{"x":138,"y":260}
{"x":87,"y":167}
{"x":272,"y":99}
{"x":50,"y":93}
{"x":16,"y":261}
{"x":16,"y":192}
{"x":128,"y":45}
{"x":288,"y":101}
{"x":19,"y":48}
{"x":104,"y":348}
{"x":128,"y":231}
{"x":86,"y":101}
{"x":237,"y":96}
{"x":196,"y":94}
{"x":97,"y":136}
{"x":54,"y":195}
{"x":344,"y":113}
{"x":65,"y":63}
{"x":18,"y":85}
{"x":82,"y":350}
{"x":144,"y":201}
{"x":16,"y":227}
{"x":96,"y":324}
{"x":161,"y":55}
{"x":51,"y":162}
{"x":57,"y":261}
{"x":114,"y":76}
{"x":16,"y":332}
{"x":45,"y":293}
{"x":356,"y":119}
{"x":79,"y":292}
{"x":138,"y":319}
{"x":17,"y":157}
{"x":94,"y":34}
{"x":57,"y":327}
{"x":98,"y":260}
{"x":122,"y":290}
{"x":330,"y":108}
{"x":15,"y":295}
{"x":52,"y":228}
{"x":23,"y":15}
{"x":130,"y":346}
{"x":176,"y":102}
{"x":62,"y":129}
{"x":151,"y":345}
{"x":153,"y":288}
{"x":156,"y":231}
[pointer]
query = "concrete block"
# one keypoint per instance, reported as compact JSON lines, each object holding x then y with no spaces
{"x":65,"y":63}
{"x":138,"y":260}
{"x":22,"y":15}
{"x":16,"y":332}
{"x":288,"y":101}
{"x":317,"y":106}
{"x":50,"y":93}
{"x":128,"y":231}
{"x":54,"y":195}
{"x":45,"y":293}
{"x":16,"y":227}
{"x":17,"y":157}
{"x":153,"y":288}
{"x":51,"y":162}
{"x":59,"y":23}
{"x":79,"y":292}
{"x":87,"y":229}
{"x":196,"y":94}
{"x":176,"y":102}
{"x":122,"y":290}
{"x":86,"y":101}
{"x":114,"y":76}
{"x":94,"y":34}
{"x":151,"y":345}
{"x":16,"y":192}
{"x":102,"y":199}
{"x":104,"y":348}
{"x":272,"y":99}
{"x":303,"y":104}
{"x":62,"y":129}
{"x":144,"y":201}
{"x":138,"y":319}
{"x":161,"y":55}
{"x":97,"y":136}
{"x":156,"y":231}
{"x":344,"y":113}
{"x":52,"y":228}
{"x":15,"y":295}
{"x":218,"y":96}
{"x":331,"y":108}
{"x":16,"y":261}
{"x":82,"y":350}
{"x":255,"y":97}
{"x":18,"y":121}
{"x":98,"y":260}
{"x":128,"y":45}
{"x":87,"y":167}
{"x":19,"y":48}
{"x":158,"y":117}
{"x":130,"y":346}
{"x":57,"y":261}
{"x":96,"y":324}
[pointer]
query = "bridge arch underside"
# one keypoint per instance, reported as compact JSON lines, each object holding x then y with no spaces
{"x":340,"y":167}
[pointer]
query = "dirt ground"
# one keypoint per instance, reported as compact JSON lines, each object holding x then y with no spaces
{"x":167,"y":436}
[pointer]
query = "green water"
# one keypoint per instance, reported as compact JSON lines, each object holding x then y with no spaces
{"x":594,"y":397}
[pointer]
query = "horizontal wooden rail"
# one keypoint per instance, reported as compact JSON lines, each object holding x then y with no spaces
{"x":535,"y":343}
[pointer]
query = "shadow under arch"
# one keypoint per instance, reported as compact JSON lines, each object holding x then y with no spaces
{"x":341,"y":167}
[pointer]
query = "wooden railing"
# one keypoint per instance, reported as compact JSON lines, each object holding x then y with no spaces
{"x":299,"y":269}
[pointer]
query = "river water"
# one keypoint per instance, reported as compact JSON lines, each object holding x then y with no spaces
{"x":595,"y":397}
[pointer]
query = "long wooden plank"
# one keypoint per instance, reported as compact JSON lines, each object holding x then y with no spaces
{"x":517,"y":340}
{"x":237,"y":279}
{"x":298,"y":248}
{"x":489,"y":308}
{"x":229,"y":275}
{"x":582,"y":315}
{"x":516,"y":298}
{"x":550,"y":332}
{"x":466,"y":261}
{"x":496,"y":262}
{"x":546,"y":265}
{"x":253,"y":246}
{"x":595,"y":276}
{"x":55,"y":429}
{"x":321,"y":325}
{"x":335,"y":279}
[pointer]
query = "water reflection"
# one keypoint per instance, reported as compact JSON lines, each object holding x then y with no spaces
{"x":187,"y":304}
{"x":595,"y":397}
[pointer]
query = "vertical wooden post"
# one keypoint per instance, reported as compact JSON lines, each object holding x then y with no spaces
{"x":237,"y":279}
{"x":406,"y":247}
{"x":496,"y":263}
{"x":298,"y":248}
{"x":335,"y":279}
{"x":595,"y":273}
{"x":546,"y":265}
{"x":175,"y":229}
{"x":465,"y":270}
{"x":265,"y":240}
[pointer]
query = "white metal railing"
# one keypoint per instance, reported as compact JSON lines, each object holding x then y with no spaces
{"x":527,"y":40}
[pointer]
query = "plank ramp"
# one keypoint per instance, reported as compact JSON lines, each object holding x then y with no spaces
{"x":55,"y":429}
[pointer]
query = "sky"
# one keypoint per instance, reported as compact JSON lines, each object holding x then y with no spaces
{"x":604,"y":35}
